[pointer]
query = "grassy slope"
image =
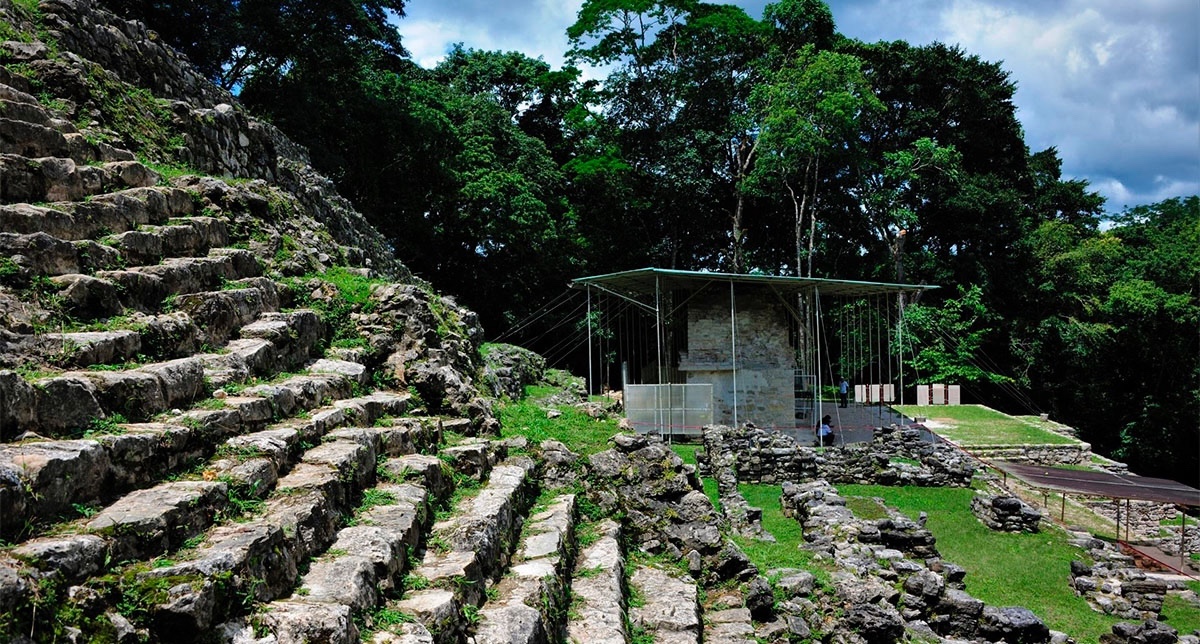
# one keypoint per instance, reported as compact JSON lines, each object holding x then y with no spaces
{"x":979,"y":425}
{"x":1004,"y":569}
{"x":785,"y":551}
{"x":579,"y":432}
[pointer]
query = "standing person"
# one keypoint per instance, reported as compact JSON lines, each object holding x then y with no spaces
{"x":843,"y":392}
{"x":826,"y":432}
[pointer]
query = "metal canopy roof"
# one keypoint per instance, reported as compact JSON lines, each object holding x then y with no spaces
{"x":644,"y":281}
{"x":1117,"y":486}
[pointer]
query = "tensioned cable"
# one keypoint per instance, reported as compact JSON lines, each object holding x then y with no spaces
{"x":1012,"y":390}
{"x":569,"y":318}
{"x":538,"y":314}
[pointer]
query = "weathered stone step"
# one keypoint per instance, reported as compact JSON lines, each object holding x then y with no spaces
{"x":224,"y":312}
{"x":21,"y":106}
{"x":42,"y":253}
{"x":107,"y":214}
{"x":258,"y":560}
{"x":670,"y":611}
{"x":20,"y":138}
{"x":31,"y":113}
{"x":71,"y":401}
{"x":365,"y":563}
{"x":145,"y":288}
{"x":261,"y":557}
{"x":598,"y":583}
{"x":181,"y":237}
{"x":729,"y":626}
{"x":43,"y":479}
{"x":179,"y":275}
{"x":490,"y":522}
{"x":533,"y":593}
{"x":472,"y":547}
{"x":68,"y":403}
{"x":39,"y":168}
{"x":79,"y":349}
{"x":474,"y":457}
{"x":169,"y":335}
{"x":295,"y":336}
{"x":162,"y":336}
{"x":159,"y":520}
{"x":274,"y":341}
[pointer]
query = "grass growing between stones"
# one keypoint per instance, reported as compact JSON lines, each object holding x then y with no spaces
{"x":785,"y":552}
{"x":529,"y":418}
{"x":1030,"y":570}
{"x":687,"y":452}
{"x":979,"y":425}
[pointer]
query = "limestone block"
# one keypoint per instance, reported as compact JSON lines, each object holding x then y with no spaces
{"x":41,"y":253}
{"x":351,"y":370}
{"x":42,"y":479}
{"x":436,"y":609}
{"x":511,"y":623}
{"x":136,"y":394}
{"x":139,"y":247}
{"x":18,"y":405}
{"x":88,"y":297}
{"x":304,"y":621}
{"x":75,"y":557}
{"x":382,"y":546}
{"x":344,"y":579}
{"x":671,"y":606}
{"x":26,"y":218}
{"x":66,"y":402}
{"x":182,"y":380}
{"x":149,"y":522}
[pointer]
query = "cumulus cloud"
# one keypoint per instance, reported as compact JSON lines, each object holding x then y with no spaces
{"x":1113,"y":84}
{"x":536,"y":28}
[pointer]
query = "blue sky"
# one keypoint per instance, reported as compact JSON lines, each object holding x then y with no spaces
{"x":1113,"y":84}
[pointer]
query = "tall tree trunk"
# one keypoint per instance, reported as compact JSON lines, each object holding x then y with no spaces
{"x":743,"y":156}
{"x":798,"y":210}
{"x":737,"y":234}
{"x":812,"y":219}
{"x":799,"y":206}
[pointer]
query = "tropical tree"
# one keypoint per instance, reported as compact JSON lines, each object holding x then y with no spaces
{"x":810,"y":109}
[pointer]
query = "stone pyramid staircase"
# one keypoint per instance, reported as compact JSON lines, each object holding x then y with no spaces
{"x":184,"y":460}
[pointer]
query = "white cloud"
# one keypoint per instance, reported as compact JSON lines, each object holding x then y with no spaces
{"x":534,"y":28}
{"x":1114,"y":85}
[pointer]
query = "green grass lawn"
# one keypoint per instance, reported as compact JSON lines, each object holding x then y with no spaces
{"x":528,"y":418}
{"x":979,"y":425}
{"x":1003,"y":569}
{"x":785,"y":551}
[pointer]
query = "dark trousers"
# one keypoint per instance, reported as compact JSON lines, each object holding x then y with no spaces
{"x":842,"y":399}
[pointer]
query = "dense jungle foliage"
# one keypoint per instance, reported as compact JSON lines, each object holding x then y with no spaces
{"x":722,"y":141}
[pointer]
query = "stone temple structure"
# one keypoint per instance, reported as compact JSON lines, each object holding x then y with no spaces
{"x":698,"y":348}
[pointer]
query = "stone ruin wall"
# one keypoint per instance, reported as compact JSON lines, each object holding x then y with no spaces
{"x":765,"y":375}
{"x":1075,"y":454}
{"x":1006,"y":513}
{"x":1113,"y":584}
{"x":763,"y":456}
{"x":899,"y":583}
